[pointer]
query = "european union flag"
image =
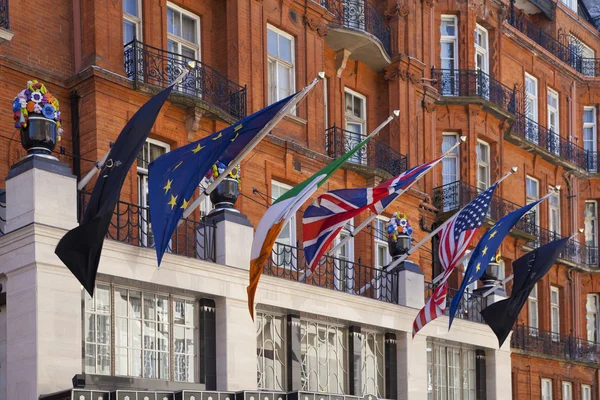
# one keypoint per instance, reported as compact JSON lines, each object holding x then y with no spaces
{"x":175,"y":176}
{"x":484,"y":252}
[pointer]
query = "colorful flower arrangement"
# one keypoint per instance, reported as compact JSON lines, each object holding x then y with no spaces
{"x":397,"y":226}
{"x":218,"y":168}
{"x":36,"y":99}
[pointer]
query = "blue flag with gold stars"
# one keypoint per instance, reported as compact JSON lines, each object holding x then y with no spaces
{"x":485,"y":252}
{"x":174,"y":177}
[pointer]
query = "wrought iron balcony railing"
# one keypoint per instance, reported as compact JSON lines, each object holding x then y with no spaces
{"x":574,"y":252}
{"x":454,"y":196}
{"x":463,"y":83}
{"x":131,"y":224}
{"x":470,"y":305}
{"x":550,"y":141}
{"x":333,"y":273}
{"x":362,"y":15}
{"x":554,"y":344}
{"x":376,"y":154}
{"x":160,"y":68}
{"x":4,"y":22}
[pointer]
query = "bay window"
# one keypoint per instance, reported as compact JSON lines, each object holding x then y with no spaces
{"x":451,"y":372}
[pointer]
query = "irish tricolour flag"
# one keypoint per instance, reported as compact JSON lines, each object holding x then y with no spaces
{"x":279,"y":214}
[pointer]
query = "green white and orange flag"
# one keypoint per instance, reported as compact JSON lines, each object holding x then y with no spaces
{"x":283,"y":209}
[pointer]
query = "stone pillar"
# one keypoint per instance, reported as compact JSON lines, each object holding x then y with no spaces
{"x":498,"y":373}
{"x":294,"y":356}
{"x":391,"y":366}
{"x":412,"y":367}
{"x":208,"y":343}
{"x":411,"y":284}
{"x":233,"y":238}
{"x":354,"y":360}
{"x":236,"y":347}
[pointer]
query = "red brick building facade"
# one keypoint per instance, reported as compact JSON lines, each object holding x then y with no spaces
{"x":520,"y":81}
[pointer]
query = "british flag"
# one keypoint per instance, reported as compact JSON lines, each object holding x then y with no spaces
{"x":326,"y":217}
{"x":455,"y":238}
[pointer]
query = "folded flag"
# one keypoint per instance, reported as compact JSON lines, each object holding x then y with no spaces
{"x":528,"y":271}
{"x":455,"y":238}
{"x":174,"y":177}
{"x":483,"y":253}
{"x":81,"y":247}
{"x":324,"y":220}
{"x":279,"y":214}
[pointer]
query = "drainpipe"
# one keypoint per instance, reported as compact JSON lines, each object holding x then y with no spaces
{"x":76,"y":143}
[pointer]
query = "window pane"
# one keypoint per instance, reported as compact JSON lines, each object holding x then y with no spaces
{"x":284,"y":81}
{"x":129,"y":31}
{"x":272,"y":43}
{"x":130,"y":7}
{"x":358,"y":107}
{"x":173,"y":22}
{"x":190,"y":31}
{"x":588,"y":115}
{"x":448,"y":27}
{"x":285,"y":49}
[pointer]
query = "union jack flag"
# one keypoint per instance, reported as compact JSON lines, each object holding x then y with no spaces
{"x":455,"y":237}
{"x":326,"y":217}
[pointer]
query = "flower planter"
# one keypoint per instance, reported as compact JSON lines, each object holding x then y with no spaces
{"x":39,"y":136}
{"x":225,"y":195}
{"x":399,"y":247}
{"x":490,"y":276}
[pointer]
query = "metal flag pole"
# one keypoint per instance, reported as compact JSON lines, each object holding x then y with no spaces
{"x":98,"y":165}
{"x":259,"y":136}
{"x":493,"y":288}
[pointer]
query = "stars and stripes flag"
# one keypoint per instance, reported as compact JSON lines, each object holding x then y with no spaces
{"x":455,"y":238}
{"x":326,"y":217}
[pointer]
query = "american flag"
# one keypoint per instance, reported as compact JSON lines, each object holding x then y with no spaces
{"x":326,"y":217}
{"x":455,"y":237}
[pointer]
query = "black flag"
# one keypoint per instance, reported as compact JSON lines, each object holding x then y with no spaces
{"x":80,"y":248}
{"x":528,"y":271}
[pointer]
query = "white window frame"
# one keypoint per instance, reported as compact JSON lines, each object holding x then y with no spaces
{"x":482,"y":185}
{"x":288,"y":264}
{"x":380,"y":242}
{"x":344,"y":275}
{"x":586,"y":392}
{"x":360,"y":157}
{"x":554,"y":213}
{"x":592,"y":328}
{"x":90,"y":336}
{"x":531,"y":111}
{"x":135,"y":20}
{"x":553,"y":112}
{"x":452,"y":157}
{"x":591,"y":236}
{"x":530,"y":199}
{"x":480,"y":31}
{"x":588,"y":67}
{"x":591,"y":145}
{"x":555,"y":312}
{"x":179,"y":41}
{"x":546,"y":385}
{"x":326,"y":104}
{"x":533,"y":309}
{"x":450,"y":86}
{"x":450,"y":39}
{"x":273,"y":81}
{"x":567,"y":390}
{"x":440,"y":372}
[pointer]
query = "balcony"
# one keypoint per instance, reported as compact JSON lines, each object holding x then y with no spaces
{"x":204,"y":86}
{"x":575,"y":253}
{"x":375,"y":155}
{"x":474,"y":86}
{"x":527,"y":134}
{"x":555,"y":345}
{"x":470,"y":305}
{"x":359,"y":27}
{"x":5,"y":33}
{"x":450,"y":198}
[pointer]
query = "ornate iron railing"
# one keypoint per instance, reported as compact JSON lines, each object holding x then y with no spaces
{"x":375,"y":154}
{"x":334,"y":273}
{"x":159,"y":67}
{"x":469,"y":307}
{"x":574,"y":252}
{"x":362,"y":15}
{"x":131,"y":224}
{"x":450,"y":82}
{"x":553,"y":344}
{"x":591,"y":161}
{"x":454,"y":196}
{"x":550,"y":141}
{"x":4,"y":21}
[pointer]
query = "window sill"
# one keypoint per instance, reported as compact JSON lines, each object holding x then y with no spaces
{"x":296,"y":120}
{"x":110,"y":383}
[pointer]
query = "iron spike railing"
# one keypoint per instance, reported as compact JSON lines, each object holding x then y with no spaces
{"x":469,"y":307}
{"x":574,"y":251}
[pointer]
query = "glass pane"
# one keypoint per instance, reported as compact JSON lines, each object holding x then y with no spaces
{"x":130,"y":7}
{"x":162,"y":337}
{"x":348,"y":103}
{"x":285,"y":49}
{"x":121,"y":332}
{"x":172,"y":47}
{"x":90,"y":358}
{"x":448,"y":53}
{"x":90,"y":328}
{"x":358,"y":107}
{"x":272,"y":43}
{"x":149,"y":307}
{"x":173,"y":22}
{"x":103,"y":360}
{"x":103,"y":330}
{"x":284,"y":75}
{"x":188,"y":53}
{"x":121,"y":361}
{"x":129,"y":31}
{"x":102,"y":299}
{"x":448,"y":27}
{"x":149,"y":335}
{"x":135,"y":363}
{"x":589,"y":114}
{"x":447,"y":142}
{"x":162,"y":308}
{"x":135,"y":334}
{"x":179,"y":343}
{"x":121,"y":302}
{"x":190,"y":32}
{"x":135,"y":304}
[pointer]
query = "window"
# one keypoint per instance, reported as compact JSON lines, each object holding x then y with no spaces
{"x":483,"y":165}
{"x":591,"y":309}
{"x":373,"y":364}
{"x":285,"y":246}
{"x":97,"y":331}
{"x":450,"y":168}
{"x":384,"y":288}
{"x":546,"y":389}
{"x":586,"y":392}
{"x":325,"y":105}
{"x":151,"y":150}
{"x":324,"y":350}
{"x":270,"y":351}
{"x":554,"y":213}
{"x":533,"y":194}
{"x":590,"y":139}
{"x":591,"y":230}
{"x":450,"y":372}
{"x":534,"y":322}
{"x":555,"y":313}
{"x":481,"y":49}
{"x":448,"y":55}
{"x":583,"y":55}
{"x":356,"y":124}
{"x":132,"y":20}
{"x":531,"y":108}
{"x":280,"y":60}
{"x":144,"y":323}
{"x":553,"y":122}
{"x":183,"y":32}
{"x":344,"y":260}
{"x":572,"y":4}
{"x":567,"y":391}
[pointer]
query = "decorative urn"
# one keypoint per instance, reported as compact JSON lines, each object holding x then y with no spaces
{"x":399,"y":235}
{"x":226,"y":193}
{"x":37,"y":115}
{"x":492,"y":273}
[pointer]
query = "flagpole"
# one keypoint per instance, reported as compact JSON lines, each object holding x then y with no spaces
{"x":98,"y":165}
{"x":259,"y":136}
{"x":374,"y":215}
{"x":493,"y":288}
{"x":439,"y":277}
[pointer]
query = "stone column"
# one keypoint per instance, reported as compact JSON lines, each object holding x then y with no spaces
{"x":233,"y":238}
{"x":354,"y":360}
{"x":412,"y":367}
{"x":294,"y":356}
{"x":208,"y":342}
{"x":498,"y":373}
{"x":411,"y":284}
{"x":391,"y":366}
